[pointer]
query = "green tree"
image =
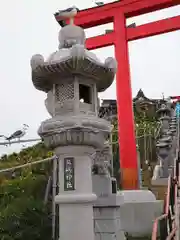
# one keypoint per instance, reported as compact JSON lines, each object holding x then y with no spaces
{"x":145,"y":128}
{"x":23,"y":214}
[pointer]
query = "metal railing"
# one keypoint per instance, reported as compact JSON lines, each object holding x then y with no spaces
{"x":166,"y":227}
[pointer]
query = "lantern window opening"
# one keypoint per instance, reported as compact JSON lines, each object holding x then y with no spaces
{"x":85,"y":95}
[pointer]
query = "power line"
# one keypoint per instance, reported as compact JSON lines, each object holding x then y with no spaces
{"x":19,"y":141}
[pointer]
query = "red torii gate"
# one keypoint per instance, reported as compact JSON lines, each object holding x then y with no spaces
{"x":175,"y":97}
{"x":118,"y":12}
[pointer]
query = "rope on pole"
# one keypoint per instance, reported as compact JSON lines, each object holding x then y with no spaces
{"x":27,"y":164}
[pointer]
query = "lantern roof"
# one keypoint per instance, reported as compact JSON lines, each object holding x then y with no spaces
{"x":72,"y":59}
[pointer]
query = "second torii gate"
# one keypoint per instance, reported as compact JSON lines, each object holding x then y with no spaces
{"x":118,"y":12}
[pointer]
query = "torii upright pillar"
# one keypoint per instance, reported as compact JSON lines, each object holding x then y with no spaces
{"x":117,"y":12}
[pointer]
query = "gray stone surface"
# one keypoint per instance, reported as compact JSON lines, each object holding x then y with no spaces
{"x":164,"y":110}
{"x":70,"y":60}
{"x":107,"y":221}
{"x":75,"y":205}
{"x":160,"y":182}
{"x":138,"y":212}
{"x":106,"y":207}
{"x":137,"y":217}
{"x":125,"y":215}
{"x":166,"y":145}
{"x":128,"y":213}
{"x":72,"y":78}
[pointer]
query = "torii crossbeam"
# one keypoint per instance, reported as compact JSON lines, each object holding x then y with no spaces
{"x":118,"y":12}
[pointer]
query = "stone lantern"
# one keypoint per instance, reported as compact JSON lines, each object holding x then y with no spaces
{"x":72,"y":77}
{"x":173,"y":130}
{"x":166,"y":145}
{"x":172,"y":125}
{"x":164,"y":111}
{"x":163,"y":149}
{"x":164,"y":116}
{"x":165,"y":139}
{"x":174,"y":119}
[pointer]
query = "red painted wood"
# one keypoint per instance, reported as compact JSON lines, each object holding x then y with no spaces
{"x":139,"y":32}
{"x":175,"y":97}
{"x":154,"y":28}
{"x":147,"y":6}
{"x":126,"y":131}
{"x":100,"y":15}
{"x":117,"y":12}
{"x":100,"y":41}
{"x":95,"y":18}
{"x":104,"y":14}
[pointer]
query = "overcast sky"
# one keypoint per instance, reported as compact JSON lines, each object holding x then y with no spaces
{"x":28,"y":27}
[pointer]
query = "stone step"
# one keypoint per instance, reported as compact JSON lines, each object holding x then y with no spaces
{"x":159,"y":191}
